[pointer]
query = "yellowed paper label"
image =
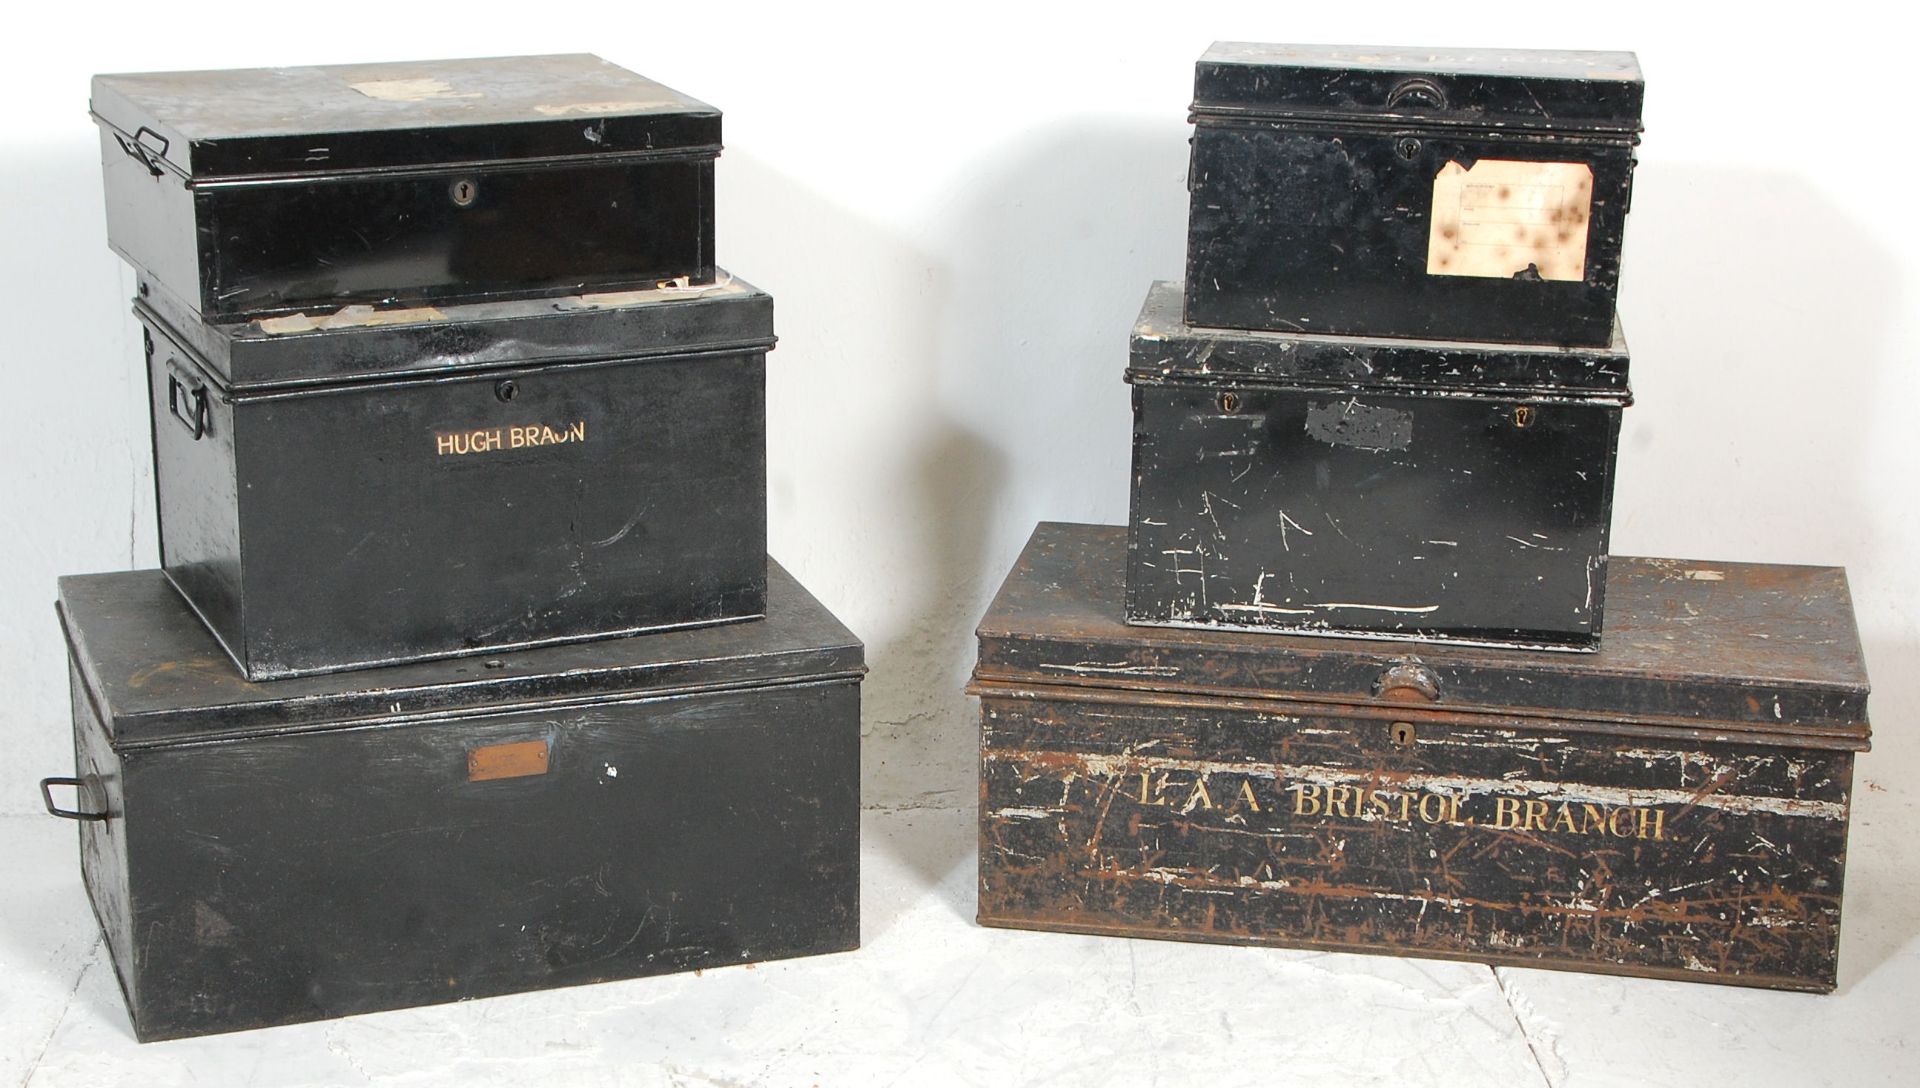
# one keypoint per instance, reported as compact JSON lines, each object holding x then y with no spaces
{"x":410,"y":90}
{"x":1503,"y":218}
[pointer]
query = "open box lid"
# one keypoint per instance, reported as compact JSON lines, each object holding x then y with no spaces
{"x":1749,"y":653}
{"x":363,"y":343}
{"x":157,"y":677}
{"x":1549,"y":90}
{"x":254,"y":123}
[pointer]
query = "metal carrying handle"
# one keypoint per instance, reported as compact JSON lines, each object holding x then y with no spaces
{"x":149,"y":156}
{"x":1417,"y":93}
{"x":177,"y":391}
{"x":46,"y":795}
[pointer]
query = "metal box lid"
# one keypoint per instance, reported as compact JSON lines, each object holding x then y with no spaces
{"x":1736,"y":652}
{"x":1165,"y":348}
{"x":1549,"y":90}
{"x":364,"y":343}
{"x":271,"y":122}
{"x":157,"y":677}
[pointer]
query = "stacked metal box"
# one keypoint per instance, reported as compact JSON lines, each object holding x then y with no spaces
{"x":466,"y":670}
{"x":1321,"y":694}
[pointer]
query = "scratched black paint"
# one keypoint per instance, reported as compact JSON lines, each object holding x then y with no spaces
{"x":504,"y":177}
{"x":311,"y":515}
{"x":316,"y":847}
{"x":1312,"y":186}
{"x":1159,"y":783}
{"x":1408,"y":489}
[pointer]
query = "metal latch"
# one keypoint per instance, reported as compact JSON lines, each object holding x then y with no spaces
{"x":1408,"y":680}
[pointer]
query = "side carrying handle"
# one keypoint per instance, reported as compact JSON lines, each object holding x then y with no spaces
{"x":143,"y":147}
{"x":46,"y":794}
{"x":194,"y":417}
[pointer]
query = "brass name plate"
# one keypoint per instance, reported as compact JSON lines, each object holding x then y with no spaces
{"x":519,"y":759}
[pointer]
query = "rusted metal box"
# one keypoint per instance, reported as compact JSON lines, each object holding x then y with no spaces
{"x":1452,"y":194}
{"x":267,"y":190}
{"x":373,"y":486}
{"x":263,"y":854}
{"x":1370,"y":488}
{"x":1674,"y":805}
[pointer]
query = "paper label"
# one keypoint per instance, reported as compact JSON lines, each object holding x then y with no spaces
{"x":410,"y":90}
{"x":1506,"y":219}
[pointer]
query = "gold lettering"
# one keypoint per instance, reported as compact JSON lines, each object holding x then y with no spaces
{"x":1595,"y":817}
{"x":1199,"y":797}
{"x":1306,"y":800}
{"x":1438,"y":808}
{"x":1613,"y":823}
{"x":1246,"y":793}
{"x":1506,"y":812}
{"x":1144,"y":798}
{"x":1536,"y":817}
{"x":510,"y":437}
{"x":1658,"y":824}
{"x":1453,"y":810}
{"x":1337,"y":799}
{"x":1381,"y":803}
{"x":1565,"y":816}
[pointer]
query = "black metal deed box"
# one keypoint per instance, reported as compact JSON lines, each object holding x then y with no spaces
{"x":1673,"y":806}
{"x":1364,"y":487}
{"x":1454,"y":194}
{"x":374,"y":486}
{"x":262,"y":854}
{"x":267,"y":190}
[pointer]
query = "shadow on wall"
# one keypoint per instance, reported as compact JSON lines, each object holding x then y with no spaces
{"x":949,"y":393}
{"x":1053,"y":241}
{"x":1762,"y":320}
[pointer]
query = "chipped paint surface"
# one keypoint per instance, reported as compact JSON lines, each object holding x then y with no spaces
{"x":1719,"y":862}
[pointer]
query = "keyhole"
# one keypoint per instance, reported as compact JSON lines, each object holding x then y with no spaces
{"x":506,"y":389}
{"x":1229,"y":402}
{"x":464,"y":191}
{"x":1402,"y":734}
{"x":1523,"y":415}
{"x":1409,"y":148}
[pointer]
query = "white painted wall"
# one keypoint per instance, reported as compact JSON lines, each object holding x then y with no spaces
{"x":958,"y":211}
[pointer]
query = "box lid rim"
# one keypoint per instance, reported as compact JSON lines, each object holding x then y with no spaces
{"x":177,"y":686}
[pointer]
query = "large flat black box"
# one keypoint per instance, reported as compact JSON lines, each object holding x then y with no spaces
{"x":1365,"y":487}
{"x":1451,"y":194}
{"x":1674,"y":805}
{"x":268,"y":190}
{"x":377,"y":486}
{"x":262,"y":854}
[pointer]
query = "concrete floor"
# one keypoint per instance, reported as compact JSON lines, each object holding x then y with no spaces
{"x":932,"y":998}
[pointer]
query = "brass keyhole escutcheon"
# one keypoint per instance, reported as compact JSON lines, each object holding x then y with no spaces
{"x":1523,"y":415}
{"x":1402,"y":733}
{"x":464,"y":191}
{"x":1229,"y":402}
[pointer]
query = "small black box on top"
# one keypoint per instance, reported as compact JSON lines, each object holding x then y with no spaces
{"x":1459,"y":194}
{"x":267,"y":190}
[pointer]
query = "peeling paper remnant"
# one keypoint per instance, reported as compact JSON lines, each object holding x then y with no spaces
{"x":351,"y":317}
{"x":1502,"y":219}
{"x":596,"y":108}
{"x":411,"y":90}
